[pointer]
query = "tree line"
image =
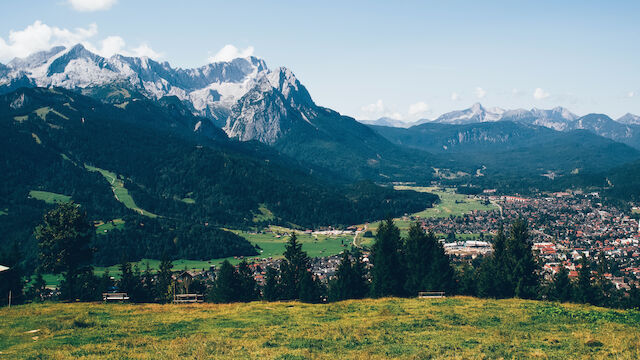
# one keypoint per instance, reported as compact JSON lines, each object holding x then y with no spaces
{"x":398,"y":266}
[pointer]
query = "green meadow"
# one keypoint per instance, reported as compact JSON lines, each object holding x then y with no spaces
{"x":390,"y":328}
{"x":49,"y":197}
{"x":451,"y":204}
{"x":119,"y":191}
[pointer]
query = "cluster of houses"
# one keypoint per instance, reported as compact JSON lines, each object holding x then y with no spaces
{"x":564,"y":227}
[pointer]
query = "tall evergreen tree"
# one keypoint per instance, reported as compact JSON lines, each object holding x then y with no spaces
{"x":525,"y":268}
{"x":604,"y":290}
{"x":350,"y":280}
{"x":428,"y":266}
{"x":105,"y":282}
{"x":164,"y":285}
{"x":248,"y":288}
{"x":294,"y":272}
{"x":147,"y":283}
{"x":226,"y":286}
{"x":561,"y":289}
{"x":127,"y":282}
{"x":360,"y":283}
{"x":502,"y":284}
{"x":584,"y":291}
{"x":271,"y":290}
{"x":64,"y":238}
{"x":388,"y":275}
{"x":467,"y":283}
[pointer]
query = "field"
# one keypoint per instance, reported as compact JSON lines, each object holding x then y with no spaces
{"x":119,"y":191}
{"x":44,"y":111}
{"x":102,"y":227}
{"x":49,"y":197}
{"x":451,"y":204}
{"x":458,"y":328}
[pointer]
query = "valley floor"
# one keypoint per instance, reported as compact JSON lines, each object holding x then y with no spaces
{"x":458,"y":327}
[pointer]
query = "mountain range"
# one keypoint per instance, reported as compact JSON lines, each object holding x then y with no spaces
{"x":179,"y":155}
{"x":243,"y":96}
{"x":626,"y":129}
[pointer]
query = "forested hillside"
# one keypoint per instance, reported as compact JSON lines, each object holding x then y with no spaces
{"x":172,"y":186}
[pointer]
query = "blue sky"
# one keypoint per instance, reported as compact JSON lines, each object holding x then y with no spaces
{"x":405,"y":59}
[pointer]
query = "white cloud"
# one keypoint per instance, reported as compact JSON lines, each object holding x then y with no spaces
{"x":39,"y":36}
{"x":480,"y":92}
{"x":230,"y":52}
{"x":377,"y":110}
{"x":455,"y":96}
{"x":631,"y":94}
{"x":540,"y":94}
{"x":377,"y":106}
{"x":420,"y":107}
{"x":91,"y":5}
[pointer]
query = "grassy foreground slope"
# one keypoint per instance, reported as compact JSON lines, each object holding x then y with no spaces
{"x":458,"y":327}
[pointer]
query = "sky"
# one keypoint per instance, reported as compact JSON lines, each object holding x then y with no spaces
{"x":367,"y":59}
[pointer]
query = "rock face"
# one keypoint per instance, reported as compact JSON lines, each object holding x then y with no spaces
{"x":276,"y":105}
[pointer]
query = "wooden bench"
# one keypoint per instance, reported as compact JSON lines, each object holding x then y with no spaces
{"x":188,"y":298}
{"x":431,"y":294}
{"x":115,"y":297}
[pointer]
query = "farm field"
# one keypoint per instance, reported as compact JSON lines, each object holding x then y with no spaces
{"x":458,"y":328}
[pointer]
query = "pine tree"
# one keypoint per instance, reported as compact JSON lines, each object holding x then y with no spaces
{"x":427,"y":265}
{"x":604,"y":290}
{"x":147,"y":283}
{"x":311,"y":290}
{"x":226,"y":286}
{"x":350,"y":280}
{"x":38,"y":290}
{"x":271,"y":290}
{"x":467,"y":281}
{"x":525,"y":267}
{"x":584,"y":291}
{"x":502,"y":283}
{"x":127,"y":281}
{"x":293,"y":270}
{"x":64,"y":238}
{"x":388,"y":276}
{"x":561,"y":289}
{"x":360,"y":285}
{"x":105,"y":282}
{"x":248,"y":289}
{"x":340,"y":288}
{"x":164,"y":285}
{"x":419,"y":250}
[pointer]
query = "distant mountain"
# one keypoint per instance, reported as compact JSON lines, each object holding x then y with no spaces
{"x":516,"y":148}
{"x":475,"y":114}
{"x":629,"y":119}
{"x":448,"y":138}
{"x":386,"y":121}
{"x":603,"y":125}
{"x":626,"y":130}
{"x":557,"y":118}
